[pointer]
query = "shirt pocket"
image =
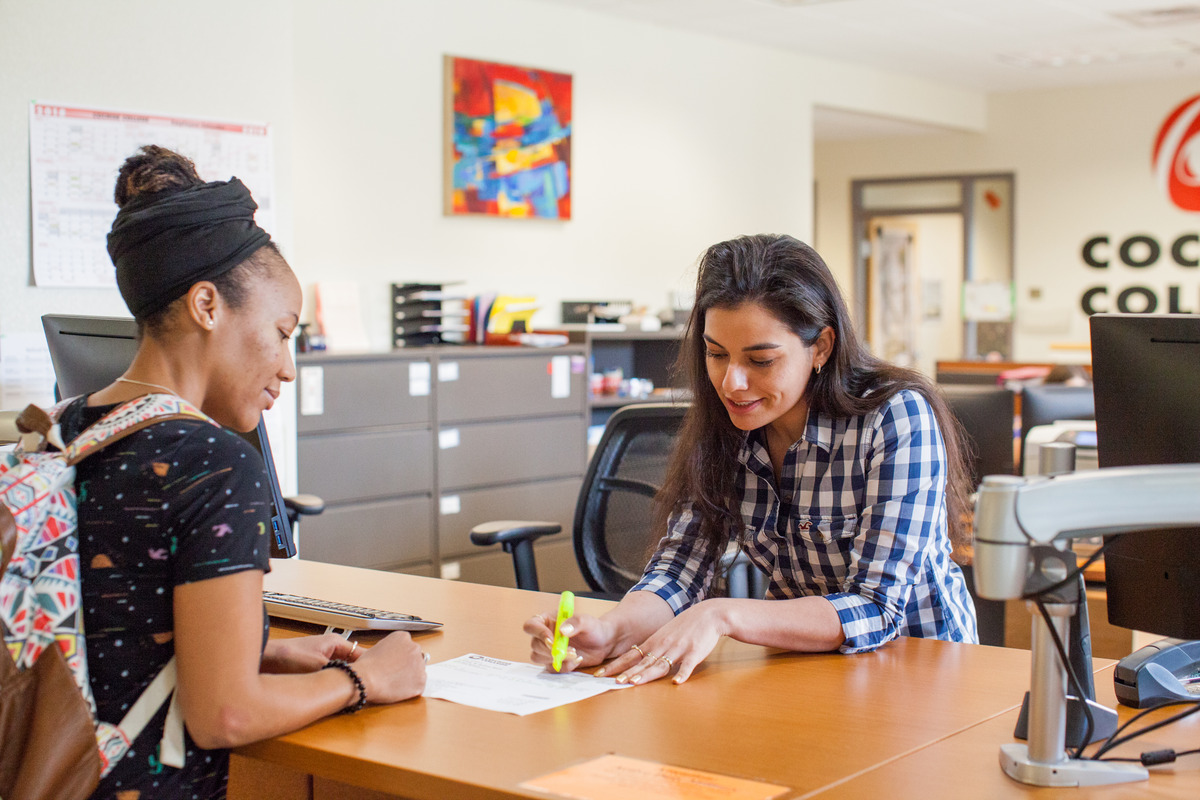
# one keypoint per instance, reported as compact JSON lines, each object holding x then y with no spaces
{"x":826,"y":531}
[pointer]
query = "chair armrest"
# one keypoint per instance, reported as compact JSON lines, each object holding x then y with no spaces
{"x":306,"y":504}
{"x":506,"y":530}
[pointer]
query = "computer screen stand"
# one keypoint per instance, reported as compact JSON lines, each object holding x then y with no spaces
{"x":1044,"y":761}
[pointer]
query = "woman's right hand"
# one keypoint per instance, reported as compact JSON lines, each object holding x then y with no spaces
{"x":591,"y":640}
{"x":393,"y":669}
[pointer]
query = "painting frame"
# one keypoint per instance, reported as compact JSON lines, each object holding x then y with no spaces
{"x":507,"y":140}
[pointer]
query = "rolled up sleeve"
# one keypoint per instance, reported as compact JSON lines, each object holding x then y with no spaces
{"x":681,"y":570}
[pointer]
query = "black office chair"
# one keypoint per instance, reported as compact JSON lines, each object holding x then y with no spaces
{"x":1042,"y":405}
{"x":612,"y":527}
{"x":986,"y":416}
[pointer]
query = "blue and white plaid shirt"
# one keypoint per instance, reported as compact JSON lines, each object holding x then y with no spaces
{"x":859,"y":518}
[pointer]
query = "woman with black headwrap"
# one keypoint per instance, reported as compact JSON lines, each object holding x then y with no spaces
{"x":171,"y":522}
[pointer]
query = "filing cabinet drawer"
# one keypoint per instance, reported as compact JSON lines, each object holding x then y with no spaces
{"x":551,"y":501}
{"x":362,"y":394}
{"x":379,"y":534}
{"x":499,"y":387}
{"x":491,"y":453}
{"x":360,"y":466}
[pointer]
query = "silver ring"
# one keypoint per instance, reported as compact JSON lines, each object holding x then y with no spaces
{"x":354,"y":646}
{"x":425,"y":656}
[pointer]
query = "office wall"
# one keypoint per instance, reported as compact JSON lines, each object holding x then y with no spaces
{"x":1082,"y":159}
{"x":681,"y":139}
{"x":138,"y":55}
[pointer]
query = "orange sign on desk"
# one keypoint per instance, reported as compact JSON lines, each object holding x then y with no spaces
{"x":619,"y":778}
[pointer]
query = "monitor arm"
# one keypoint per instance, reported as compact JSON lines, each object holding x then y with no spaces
{"x":1012,"y":514}
{"x":1015,"y":519}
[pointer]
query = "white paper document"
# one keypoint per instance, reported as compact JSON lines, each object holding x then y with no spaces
{"x":509,"y":686}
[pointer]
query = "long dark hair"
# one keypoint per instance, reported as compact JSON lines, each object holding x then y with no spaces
{"x":792,"y":282}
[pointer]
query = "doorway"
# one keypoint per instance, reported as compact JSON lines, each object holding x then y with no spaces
{"x":933,"y":267}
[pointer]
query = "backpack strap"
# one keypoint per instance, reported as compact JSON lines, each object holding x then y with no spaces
{"x":8,"y":537}
{"x":128,"y":418}
{"x":171,"y":750}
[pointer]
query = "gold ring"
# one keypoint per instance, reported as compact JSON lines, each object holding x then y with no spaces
{"x":651,"y":656}
{"x":640,"y":653}
{"x":670,"y":663}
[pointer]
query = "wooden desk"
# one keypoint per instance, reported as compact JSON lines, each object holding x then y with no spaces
{"x":809,"y":722}
{"x":938,"y":770}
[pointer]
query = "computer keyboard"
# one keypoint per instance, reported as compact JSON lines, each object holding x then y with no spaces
{"x":341,"y":616}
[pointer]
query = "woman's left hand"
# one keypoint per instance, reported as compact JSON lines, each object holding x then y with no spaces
{"x":679,"y":647}
{"x":307,"y":653}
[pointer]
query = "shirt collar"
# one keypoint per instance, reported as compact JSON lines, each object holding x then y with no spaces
{"x":818,"y":430}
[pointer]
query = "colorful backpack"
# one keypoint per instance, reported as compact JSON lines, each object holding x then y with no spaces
{"x":53,"y":745}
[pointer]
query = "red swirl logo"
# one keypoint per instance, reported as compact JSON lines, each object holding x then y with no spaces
{"x":1177,"y":155}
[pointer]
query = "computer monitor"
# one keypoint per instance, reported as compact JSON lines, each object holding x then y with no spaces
{"x":90,"y":352}
{"x":1146,"y":374}
{"x":1043,"y":405}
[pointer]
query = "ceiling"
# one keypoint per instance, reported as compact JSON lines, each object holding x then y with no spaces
{"x":980,"y":45}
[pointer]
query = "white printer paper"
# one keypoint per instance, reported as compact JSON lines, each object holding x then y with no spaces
{"x":509,"y":686}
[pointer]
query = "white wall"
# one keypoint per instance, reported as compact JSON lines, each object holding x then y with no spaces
{"x":1082,"y":163}
{"x":681,"y":140}
{"x":185,"y":59}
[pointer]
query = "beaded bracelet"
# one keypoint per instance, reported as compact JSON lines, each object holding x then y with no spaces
{"x":337,"y":663}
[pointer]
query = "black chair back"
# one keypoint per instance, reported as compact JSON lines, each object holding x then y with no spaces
{"x":986,"y":414}
{"x":614,"y":537}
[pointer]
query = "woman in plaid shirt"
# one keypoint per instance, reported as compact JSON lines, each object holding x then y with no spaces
{"x":839,"y":475}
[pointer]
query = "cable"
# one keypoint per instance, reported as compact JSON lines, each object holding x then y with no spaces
{"x":1153,"y":758}
{"x":1076,"y":686}
{"x":1116,"y":739}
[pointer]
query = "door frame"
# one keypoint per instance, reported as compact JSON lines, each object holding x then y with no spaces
{"x":860,"y":236}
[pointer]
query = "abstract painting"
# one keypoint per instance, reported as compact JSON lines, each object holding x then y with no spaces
{"x":508,"y":141}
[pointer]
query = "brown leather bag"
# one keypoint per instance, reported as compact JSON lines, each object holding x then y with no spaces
{"x":47,"y":734}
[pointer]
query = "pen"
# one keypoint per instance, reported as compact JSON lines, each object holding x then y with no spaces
{"x":558,"y":650}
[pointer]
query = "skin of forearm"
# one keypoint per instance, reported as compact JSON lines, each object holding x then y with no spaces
{"x":802,"y":624}
{"x":276,"y":705}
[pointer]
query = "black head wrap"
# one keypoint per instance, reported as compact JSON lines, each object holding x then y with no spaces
{"x":164,"y":242}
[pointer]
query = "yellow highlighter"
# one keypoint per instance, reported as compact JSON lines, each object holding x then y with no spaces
{"x":566,"y":610}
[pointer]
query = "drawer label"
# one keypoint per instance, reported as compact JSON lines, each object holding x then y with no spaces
{"x":419,"y":379}
{"x":312,"y":391}
{"x":560,"y":377}
{"x":447,"y":371}
{"x":448,"y":438}
{"x":451,"y":504}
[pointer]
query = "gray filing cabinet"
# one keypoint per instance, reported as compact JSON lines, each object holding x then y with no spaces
{"x":411,"y":449}
{"x":364,"y":438}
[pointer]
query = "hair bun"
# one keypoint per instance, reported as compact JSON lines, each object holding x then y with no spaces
{"x":154,"y":169}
